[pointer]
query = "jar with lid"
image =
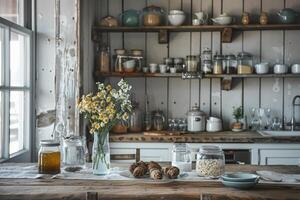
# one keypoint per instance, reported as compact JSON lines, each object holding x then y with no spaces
{"x":196,"y":119}
{"x":73,"y":153}
{"x":104,"y":59}
{"x":49,"y":157}
{"x":245,"y":18}
{"x":182,"y":157}
{"x":135,"y":119}
{"x":206,"y":68}
{"x":206,"y":54}
{"x":210,"y":162}
{"x":153,"y":15}
{"x":191,"y":63}
{"x":159,"y":120}
{"x":218,"y":64}
{"x":230,"y":64}
{"x":244,"y":63}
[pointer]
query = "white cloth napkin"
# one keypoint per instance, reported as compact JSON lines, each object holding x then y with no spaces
{"x":279,"y":177}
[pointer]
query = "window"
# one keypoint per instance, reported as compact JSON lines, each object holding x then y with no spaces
{"x":12,"y":10}
{"x":15,"y":87}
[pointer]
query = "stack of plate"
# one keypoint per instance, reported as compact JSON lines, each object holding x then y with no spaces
{"x":240,"y":180}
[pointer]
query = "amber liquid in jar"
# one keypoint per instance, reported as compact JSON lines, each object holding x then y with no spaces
{"x":49,"y":163}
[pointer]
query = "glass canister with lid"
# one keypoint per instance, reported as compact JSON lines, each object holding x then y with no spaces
{"x":218,"y":64}
{"x":153,"y":16}
{"x":210,"y":162}
{"x":182,"y":157}
{"x":244,"y":63}
{"x":191,"y":63}
{"x":49,"y":157}
{"x":230,"y":64}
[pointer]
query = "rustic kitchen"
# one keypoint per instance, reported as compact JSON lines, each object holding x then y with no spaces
{"x":150,"y":99}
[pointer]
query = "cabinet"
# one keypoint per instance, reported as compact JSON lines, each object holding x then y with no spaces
{"x":279,"y":156}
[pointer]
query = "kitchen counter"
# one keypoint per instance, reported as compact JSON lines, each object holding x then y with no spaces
{"x":203,"y":137}
{"x":21,"y":189}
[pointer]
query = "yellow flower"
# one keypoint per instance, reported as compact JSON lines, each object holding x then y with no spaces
{"x":105,"y":120}
{"x":108,"y":99}
{"x":125,"y":116}
{"x":108,"y":87}
{"x":111,"y":116}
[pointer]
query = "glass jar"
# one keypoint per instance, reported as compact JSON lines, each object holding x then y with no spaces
{"x":210,"y":162}
{"x":230,"y":64}
{"x":191,"y":63}
{"x":206,"y":54}
{"x":182,"y":157}
{"x":73,"y":153}
{"x":135,"y":119}
{"x":206,"y":68}
{"x":49,"y":157}
{"x":158,"y":120}
{"x":218,"y":64}
{"x":244,"y":63}
{"x":103,"y":60}
{"x":153,"y":16}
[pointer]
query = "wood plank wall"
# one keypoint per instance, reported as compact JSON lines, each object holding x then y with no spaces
{"x":176,"y":96}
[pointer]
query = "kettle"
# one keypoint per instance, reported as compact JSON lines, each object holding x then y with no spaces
{"x":287,"y":16}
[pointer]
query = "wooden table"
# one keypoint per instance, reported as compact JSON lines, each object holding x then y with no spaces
{"x":34,"y":189}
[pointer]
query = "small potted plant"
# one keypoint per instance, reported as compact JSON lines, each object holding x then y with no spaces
{"x":237,"y":115}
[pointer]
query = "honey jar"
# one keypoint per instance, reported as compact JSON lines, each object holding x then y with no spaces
{"x":245,"y":18}
{"x":49,"y":157}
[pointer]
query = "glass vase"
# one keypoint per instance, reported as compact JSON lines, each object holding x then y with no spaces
{"x":101,"y":154}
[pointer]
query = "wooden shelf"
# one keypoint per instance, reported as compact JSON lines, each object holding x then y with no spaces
{"x":178,"y":75}
{"x":163,"y":36}
{"x":208,"y":28}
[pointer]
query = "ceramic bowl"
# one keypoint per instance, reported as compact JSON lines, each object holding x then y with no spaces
{"x":280,"y":69}
{"x":176,"y":12}
{"x":176,"y":19}
{"x":120,"y":51}
{"x":129,"y":66}
{"x":223,"y":20}
{"x":173,"y":70}
{"x":213,"y":126}
{"x":262,"y":68}
{"x":153,"y":67}
{"x":296,"y":68}
{"x":162,"y":68}
{"x":137,"y":52}
{"x":239,"y":185}
{"x":240,"y":177}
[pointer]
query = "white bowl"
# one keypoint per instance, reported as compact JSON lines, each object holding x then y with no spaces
{"x":129,"y":66}
{"x":262,"y":68}
{"x":296,"y":68}
{"x":176,"y":12}
{"x":280,"y":69}
{"x":223,"y":20}
{"x":177,"y":19}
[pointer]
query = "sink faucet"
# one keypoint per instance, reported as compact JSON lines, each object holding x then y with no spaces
{"x":294,"y":104}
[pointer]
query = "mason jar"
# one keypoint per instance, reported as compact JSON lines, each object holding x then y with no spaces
{"x":182,"y":157}
{"x":191,"y":63}
{"x":218,"y":64}
{"x":230,"y":64}
{"x":49,"y":157}
{"x":244,"y":63}
{"x":210,"y":162}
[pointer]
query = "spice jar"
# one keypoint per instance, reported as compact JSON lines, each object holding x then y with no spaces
{"x":182,"y":157}
{"x":210,"y":162}
{"x":230,"y":64}
{"x":244,"y":63}
{"x":135,"y":119}
{"x":245,"y":18}
{"x":206,"y":54}
{"x":218,"y":64}
{"x":263,"y":19}
{"x":103,"y":59}
{"x":49,"y":157}
{"x":191,"y":63}
{"x":206,"y":68}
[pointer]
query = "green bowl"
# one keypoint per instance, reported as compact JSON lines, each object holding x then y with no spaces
{"x":240,"y":177}
{"x":239,"y":185}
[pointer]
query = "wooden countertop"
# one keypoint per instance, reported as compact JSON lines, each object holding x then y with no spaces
{"x":108,"y":189}
{"x":203,"y":137}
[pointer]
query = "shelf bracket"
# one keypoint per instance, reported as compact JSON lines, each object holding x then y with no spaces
{"x":163,"y":37}
{"x":227,"y":83}
{"x":227,"y":35}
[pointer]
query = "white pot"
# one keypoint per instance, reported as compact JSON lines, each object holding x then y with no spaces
{"x":196,"y":123}
{"x":262,"y":68}
{"x":280,"y":69}
{"x":214,"y":125}
{"x":296,"y":68}
{"x":176,"y":19}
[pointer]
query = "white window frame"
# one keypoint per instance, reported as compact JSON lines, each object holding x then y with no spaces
{"x":26,"y":153}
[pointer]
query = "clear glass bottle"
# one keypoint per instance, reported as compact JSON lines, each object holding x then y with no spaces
{"x":49,"y":157}
{"x":207,"y":65}
{"x":104,"y":59}
{"x":182,"y":157}
{"x":244,"y":63}
{"x":218,"y":64}
{"x":230,"y":64}
{"x":73,"y":153}
{"x":135,"y":119}
{"x":210,"y":162}
{"x":206,"y":54}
